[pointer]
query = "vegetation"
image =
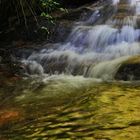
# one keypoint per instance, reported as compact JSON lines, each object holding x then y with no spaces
{"x":17,"y":12}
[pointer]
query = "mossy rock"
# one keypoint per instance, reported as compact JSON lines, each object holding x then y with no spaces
{"x":129,"y":70}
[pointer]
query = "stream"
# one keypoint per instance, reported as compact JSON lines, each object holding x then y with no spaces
{"x":78,"y":89}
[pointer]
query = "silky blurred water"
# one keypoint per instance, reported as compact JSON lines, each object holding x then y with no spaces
{"x":70,"y":92}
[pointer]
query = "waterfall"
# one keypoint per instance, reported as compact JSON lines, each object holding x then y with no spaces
{"x":91,"y":47}
{"x":115,"y":2}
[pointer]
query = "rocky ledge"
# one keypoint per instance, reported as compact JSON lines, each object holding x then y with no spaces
{"x":129,"y":69}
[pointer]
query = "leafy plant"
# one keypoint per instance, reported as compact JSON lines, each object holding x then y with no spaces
{"x":48,"y":6}
{"x":19,"y":11}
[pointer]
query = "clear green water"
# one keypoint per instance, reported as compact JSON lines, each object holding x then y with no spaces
{"x":71,"y":109}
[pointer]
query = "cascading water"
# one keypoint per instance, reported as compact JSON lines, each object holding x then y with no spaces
{"x":115,"y":2}
{"x":74,"y":95}
{"x":90,"y":45}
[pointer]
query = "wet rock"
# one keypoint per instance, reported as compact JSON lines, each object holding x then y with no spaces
{"x":32,"y":68}
{"x":129,"y":70}
{"x":10,"y":69}
{"x":62,"y":65}
{"x":75,"y":3}
{"x":76,"y":14}
{"x":66,"y":21}
{"x":61,"y":31}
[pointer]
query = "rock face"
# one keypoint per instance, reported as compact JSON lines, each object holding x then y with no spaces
{"x":129,"y":70}
{"x":65,"y":22}
{"x":74,"y":3}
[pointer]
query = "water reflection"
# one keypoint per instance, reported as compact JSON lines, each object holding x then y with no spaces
{"x":99,"y":111}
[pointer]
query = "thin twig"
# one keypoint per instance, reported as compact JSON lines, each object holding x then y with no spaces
{"x":31,"y":9}
{"x":24,"y":15}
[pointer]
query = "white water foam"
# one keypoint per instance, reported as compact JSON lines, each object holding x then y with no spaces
{"x":106,"y":70}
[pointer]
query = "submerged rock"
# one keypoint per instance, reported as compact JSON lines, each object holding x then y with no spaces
{"x":9,"y":116}
{"x":129,"y":70}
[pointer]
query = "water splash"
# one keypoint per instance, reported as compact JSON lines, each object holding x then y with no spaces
{"x":106,"y":70}
{"x":32,"y":67}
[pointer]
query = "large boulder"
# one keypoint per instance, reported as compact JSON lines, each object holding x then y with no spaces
{"x":129,"y":70}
